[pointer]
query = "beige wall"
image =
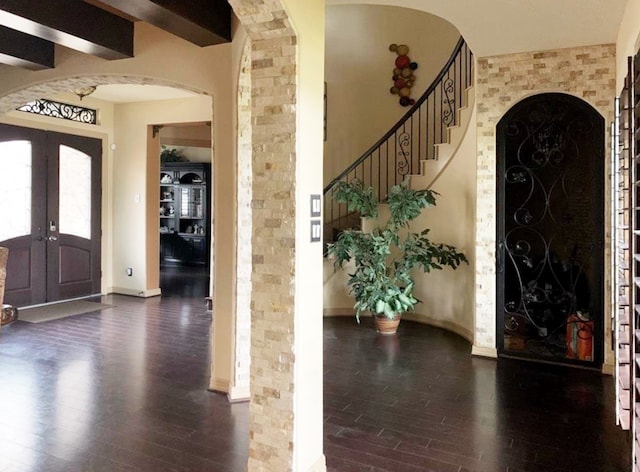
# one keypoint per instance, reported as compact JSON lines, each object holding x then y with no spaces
{"x":224,"y":282}
{"x":135,"y":177}
{"x":359,"y":67}
{"x":447,"y":296}
{"x":308,"y":21}
{"x":193,"y":141}
{"x":628,"y":41}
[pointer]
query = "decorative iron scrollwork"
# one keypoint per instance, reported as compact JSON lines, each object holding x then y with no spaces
{"x":449,"y":101}
{"x":404,"y":143}
{"x":549,"y":226}
{"x":61,"y":110}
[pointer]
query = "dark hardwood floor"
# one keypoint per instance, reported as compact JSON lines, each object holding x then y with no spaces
{"x":184,"y":281}
{"x":124,"y":389}
{"x":420,"y":402}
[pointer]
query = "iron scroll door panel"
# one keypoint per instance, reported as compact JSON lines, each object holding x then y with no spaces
{"x":550,"y":151}
{"x":54,"y":235}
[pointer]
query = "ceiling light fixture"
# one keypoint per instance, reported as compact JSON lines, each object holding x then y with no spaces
{"x":82,"y":92}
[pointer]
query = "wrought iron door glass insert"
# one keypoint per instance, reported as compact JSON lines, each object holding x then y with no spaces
{"x":61,"y":110}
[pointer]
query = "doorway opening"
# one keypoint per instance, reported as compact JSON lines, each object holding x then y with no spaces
{"x":185,"y":208}
{"x":550,"y":150}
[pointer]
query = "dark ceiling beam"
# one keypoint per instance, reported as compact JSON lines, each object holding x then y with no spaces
{"x":71,"y":23}
{"x":202,"y":22}
{"x":21,"y":50}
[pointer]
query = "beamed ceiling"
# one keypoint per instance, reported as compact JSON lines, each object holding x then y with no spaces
{"x":104,"y":28}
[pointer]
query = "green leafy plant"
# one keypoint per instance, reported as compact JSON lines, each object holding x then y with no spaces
{"x":384,"y":257}
{"x":171,"y":155}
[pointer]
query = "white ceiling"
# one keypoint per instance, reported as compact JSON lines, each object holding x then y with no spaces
{"x":124,"y":93}
{"x":494,"y":27}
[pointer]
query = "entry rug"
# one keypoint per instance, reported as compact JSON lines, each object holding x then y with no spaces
{"x":56,"y":311}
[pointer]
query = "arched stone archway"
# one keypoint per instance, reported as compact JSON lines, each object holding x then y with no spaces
{"x":285,"y":423}
{"x":273,"y":175}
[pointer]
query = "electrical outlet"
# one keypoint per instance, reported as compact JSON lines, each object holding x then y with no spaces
{"x":129,"y":271}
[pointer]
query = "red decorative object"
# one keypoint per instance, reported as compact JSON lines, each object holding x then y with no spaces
{"x":403,"y":78}
{"x":403,"y":62}
{"x":579,"y":338}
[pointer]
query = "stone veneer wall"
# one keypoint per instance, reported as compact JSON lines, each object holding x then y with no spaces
{"x":273,"y":81}
{"x":585,"y":72}
{"x":242,"y":363}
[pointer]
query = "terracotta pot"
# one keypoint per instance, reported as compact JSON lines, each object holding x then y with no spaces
{"x":386,"y":326}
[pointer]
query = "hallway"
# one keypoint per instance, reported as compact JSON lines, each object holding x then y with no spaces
{"x":124,"y":389}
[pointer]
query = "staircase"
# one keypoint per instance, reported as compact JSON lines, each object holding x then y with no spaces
{"x":413,"y":146}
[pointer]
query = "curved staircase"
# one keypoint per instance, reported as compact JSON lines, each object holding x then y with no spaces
{"x":420,"y":144}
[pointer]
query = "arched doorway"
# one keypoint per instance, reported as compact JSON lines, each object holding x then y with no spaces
{"x":129,"y":156}
{"x":550,"y":157}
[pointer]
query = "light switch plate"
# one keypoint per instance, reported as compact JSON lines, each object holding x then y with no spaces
{"x":316,"y":231}
{"x":316,"y":203}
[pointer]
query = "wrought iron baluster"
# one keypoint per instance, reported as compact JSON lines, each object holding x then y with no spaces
{"x":400,"y":151}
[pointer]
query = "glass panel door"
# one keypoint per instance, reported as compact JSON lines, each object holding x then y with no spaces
{"x":15,"y":191}
{"x":75,"y":192}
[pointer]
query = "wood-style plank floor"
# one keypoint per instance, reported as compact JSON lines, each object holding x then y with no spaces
{"x":419,"y":402}
{"x":124,"y":389}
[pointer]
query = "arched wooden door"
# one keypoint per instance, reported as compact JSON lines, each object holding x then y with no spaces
{"x":550,"y":150}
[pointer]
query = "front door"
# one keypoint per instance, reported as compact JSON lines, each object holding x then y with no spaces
{"x":550,"y":230}
{"x":50,"y":214}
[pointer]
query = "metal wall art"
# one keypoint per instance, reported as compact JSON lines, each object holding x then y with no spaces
{"x":403,"y":77}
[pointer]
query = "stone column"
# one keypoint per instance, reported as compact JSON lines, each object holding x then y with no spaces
{"x":286,"y":303}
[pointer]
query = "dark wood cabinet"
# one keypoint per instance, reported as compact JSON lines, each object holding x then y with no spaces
{"x":185,"y":216}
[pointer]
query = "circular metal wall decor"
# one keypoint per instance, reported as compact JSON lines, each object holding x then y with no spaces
{"x":403,"y":74}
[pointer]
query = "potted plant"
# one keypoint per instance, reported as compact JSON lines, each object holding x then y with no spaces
{"x":384,"y":257}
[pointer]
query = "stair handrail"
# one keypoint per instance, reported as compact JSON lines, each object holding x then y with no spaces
{"x":402,"y":120}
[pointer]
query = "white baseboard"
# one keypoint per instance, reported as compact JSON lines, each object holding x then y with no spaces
{"x":239,"y":394}
{"x":319,"y":466}
{"x":481,"y":351}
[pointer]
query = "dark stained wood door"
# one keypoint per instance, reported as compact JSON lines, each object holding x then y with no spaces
{"x":55,"y":203}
